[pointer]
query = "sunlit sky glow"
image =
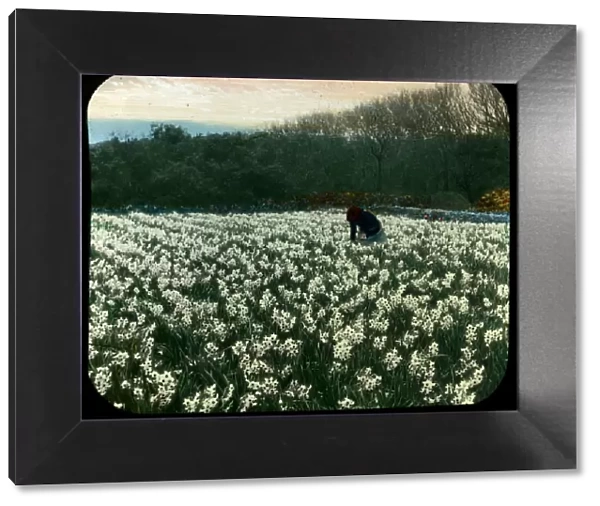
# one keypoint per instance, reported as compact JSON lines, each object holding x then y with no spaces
{"x":233,"y":102}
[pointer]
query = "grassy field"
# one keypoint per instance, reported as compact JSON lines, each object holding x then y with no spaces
{"x":280,"y":311}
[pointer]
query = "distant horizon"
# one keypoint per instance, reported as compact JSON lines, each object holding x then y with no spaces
{"x":232,"y":103}
{"x":104,"y":129}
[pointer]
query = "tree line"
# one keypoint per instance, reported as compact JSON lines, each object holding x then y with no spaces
{"x":419,"y":142}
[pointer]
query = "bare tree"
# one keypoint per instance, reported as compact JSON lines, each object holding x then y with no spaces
{"x":440,"y":113}
{"x":488,"y":110}
{"x":373,"y":122}
{"x":447,"y":113}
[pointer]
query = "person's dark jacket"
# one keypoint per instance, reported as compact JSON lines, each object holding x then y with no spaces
{"x":368,"y":224}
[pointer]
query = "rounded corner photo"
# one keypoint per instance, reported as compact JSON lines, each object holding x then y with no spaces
{"x":297,"y":246}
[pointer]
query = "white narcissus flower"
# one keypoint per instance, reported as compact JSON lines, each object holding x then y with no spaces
{"x":346,"y":403}
{"x":283,"y":307}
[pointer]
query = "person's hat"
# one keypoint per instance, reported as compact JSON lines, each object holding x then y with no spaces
{"x":353,"y":213}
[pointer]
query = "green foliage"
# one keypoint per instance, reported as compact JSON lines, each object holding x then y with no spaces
{"x":168,"y":336}
{"x":482,"y":164}
{"x":174,"y":169}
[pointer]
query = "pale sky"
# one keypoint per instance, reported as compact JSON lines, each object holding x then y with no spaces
{"x":234,"y":102}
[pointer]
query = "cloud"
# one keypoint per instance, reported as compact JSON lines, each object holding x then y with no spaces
{"x":242,"y":102}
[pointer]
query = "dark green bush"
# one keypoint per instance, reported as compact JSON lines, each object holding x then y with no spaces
{"x":174,"y":169}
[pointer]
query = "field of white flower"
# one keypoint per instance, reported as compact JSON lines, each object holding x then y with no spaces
{"x":280,"y":311}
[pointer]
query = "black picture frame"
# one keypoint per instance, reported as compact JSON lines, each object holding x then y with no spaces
{"x":51,"y":442}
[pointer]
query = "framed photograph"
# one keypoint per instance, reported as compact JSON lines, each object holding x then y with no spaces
{"x":264,"y":247}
